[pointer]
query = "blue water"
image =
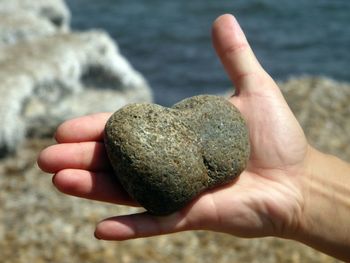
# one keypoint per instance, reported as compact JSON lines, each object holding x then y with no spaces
{"x":169,"y":41}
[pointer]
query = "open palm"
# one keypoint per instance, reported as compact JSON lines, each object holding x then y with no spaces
{"x":266,"y":199}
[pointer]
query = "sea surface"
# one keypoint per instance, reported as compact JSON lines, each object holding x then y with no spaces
{"x":169,"y":42}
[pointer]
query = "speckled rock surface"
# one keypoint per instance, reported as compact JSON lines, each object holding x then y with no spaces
{"x":164,"y":157}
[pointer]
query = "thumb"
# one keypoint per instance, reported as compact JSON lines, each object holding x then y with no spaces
{"x":236,"y":55}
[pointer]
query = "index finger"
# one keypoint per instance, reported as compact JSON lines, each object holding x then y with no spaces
{"x":82,"y":129}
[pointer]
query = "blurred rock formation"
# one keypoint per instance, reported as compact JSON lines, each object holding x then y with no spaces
{"x":321,"y":105}
{"x":55,"y":11}
{"x":49,"y":74}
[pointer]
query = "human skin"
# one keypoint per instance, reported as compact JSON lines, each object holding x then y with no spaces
{"x":288,"y":190}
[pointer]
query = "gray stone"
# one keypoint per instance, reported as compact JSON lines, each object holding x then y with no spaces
{"x":164,"y":157}
{"x":48,"y":80}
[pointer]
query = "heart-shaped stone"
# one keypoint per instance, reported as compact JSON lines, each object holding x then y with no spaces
{"x":164,"y":157}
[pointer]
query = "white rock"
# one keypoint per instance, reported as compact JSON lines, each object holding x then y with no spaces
{"x":23,"y":26}
{"x":47,"y":80}
{"x":55,"y":11}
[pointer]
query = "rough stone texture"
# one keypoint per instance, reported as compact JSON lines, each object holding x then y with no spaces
{"x":39,"y":224}
{"x":51,"y":79}
{"x":55,"y":11}
{"x":223,"y":135}
{"x":165,"y":157}
{"x":23,"y":26}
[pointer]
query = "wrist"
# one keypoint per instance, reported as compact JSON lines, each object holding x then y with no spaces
{"x":325,"y":187}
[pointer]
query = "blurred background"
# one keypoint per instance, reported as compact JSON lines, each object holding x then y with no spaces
{"x":170,"y":41}
{"x":59,"y":59}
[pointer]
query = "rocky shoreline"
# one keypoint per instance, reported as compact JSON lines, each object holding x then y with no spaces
{"x":50,"y":73}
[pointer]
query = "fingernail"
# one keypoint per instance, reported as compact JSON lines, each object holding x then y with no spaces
{"x":96,"y":235}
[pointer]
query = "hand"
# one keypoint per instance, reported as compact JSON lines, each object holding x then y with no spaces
{"x":267,"y":199}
